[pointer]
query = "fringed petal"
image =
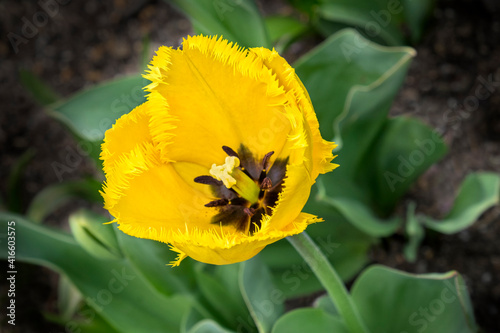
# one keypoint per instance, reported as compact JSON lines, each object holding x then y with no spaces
{"x":130,"y":131}
{"x":322,"y":149}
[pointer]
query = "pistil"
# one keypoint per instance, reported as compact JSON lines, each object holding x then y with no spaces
{"x":234,"y":178}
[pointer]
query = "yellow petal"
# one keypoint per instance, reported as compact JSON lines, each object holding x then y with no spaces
{"x":157,"y":201}
{"x":222,"y":95}
{"x":129,"y":131}
{"x":231,"y":248}
{"x":296,"y":190}
{"x":322,"y":149}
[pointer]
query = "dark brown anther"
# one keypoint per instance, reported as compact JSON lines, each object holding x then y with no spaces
{"x":265,"y":160}
{"x":229,"y":151}
{"x":249,"y":211}
{"x":207,"y":180}
{"x":217,"y":203}
{"x":266,"y":184}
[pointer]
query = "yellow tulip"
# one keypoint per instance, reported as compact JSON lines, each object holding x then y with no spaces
{"x":220,"y":160}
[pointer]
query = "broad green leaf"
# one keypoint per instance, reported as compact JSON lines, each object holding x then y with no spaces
{"x":404,"y":150}
{"x":283,"y":30}
{"x":363,"y":217}
{"x":208,"y":326}
{"x":309,"y":320}
{"x":113,"y":288}
{"x":220,"y":289}
{"x":97,"y":238}
{"x":280,"y":26}
{"x":364,"y":77}
{"x":374,"y":18}
{"x":42,"y":93}
{"x":264,"y":301}
{"x":414,"y":232}
{"x":236,"y":20}
{"x":91,"y":112}
{"x":352,"y":82}
{"x":393,"y":302}
{"x":54,"y":196}
{"x":151,"y":258}
{"x":478,"y":192}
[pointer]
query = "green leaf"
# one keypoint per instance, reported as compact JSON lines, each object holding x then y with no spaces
{"x":402,"y":302}
{"x":283,"y":30}
{"x":404,"y":150}
{"x":362,"y":75}
{"x":236,"y":20}
{"x":113,"y":288}
{"x":478,"y":192}
{"x":91,"y":112}
{"x":309,"y":320}
{"x":96,"y":237}
{"x":363,"y":217}
{"x":208,"y":326}
{"x":414,"y":232}
{"x":221,"y":291}
{"x":54,"y":196}
{"x":151,"y":259}
{"x":264,"y":301}
{"x":42,"y":93}
{"x":374,"y":18}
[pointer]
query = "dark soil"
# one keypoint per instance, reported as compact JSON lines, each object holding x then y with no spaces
{"x":87,"y":42}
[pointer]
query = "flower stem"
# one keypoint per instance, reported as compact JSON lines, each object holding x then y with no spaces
{"x":330,"y":280}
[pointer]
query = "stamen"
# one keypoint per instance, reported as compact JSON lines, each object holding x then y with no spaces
{"x":266,"y":184}
{"x":249,"y":211}
{"x":217,"y":203}
{"x":229,"y":151}
{"x":265,"y":160}
{"x":207,"y":180}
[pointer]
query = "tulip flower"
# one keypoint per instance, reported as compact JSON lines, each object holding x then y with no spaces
{"x":220,"y":159}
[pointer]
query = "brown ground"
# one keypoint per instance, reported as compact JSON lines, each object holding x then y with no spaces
{"x":87,"y":42}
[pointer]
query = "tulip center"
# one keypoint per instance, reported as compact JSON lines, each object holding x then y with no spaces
{"x":234,"y":178}
{"x":246,"y":188}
